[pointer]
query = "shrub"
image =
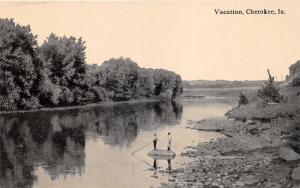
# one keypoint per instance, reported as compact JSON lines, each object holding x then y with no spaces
{"x":268,"y":92}
{"x":243,"y":99}
{"x":82,"y":96}
{"x":30,"y":103}
{"x":50,"y":94}
{"x":66,"y":96}
{"x":89,"y":97}
{"x":7,"y":104}
{"x":100,"y":94}
{"x":54,"y":95}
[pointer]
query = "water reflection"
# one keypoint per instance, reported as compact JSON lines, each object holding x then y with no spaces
{"x":156,"y":167}
{"x":56,"y":140}
{"x":169,"y":165}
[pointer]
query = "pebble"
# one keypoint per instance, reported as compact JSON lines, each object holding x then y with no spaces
{"x":237,"y":167}
{"x":288,"y":154}
{"x":296,"y":174}
{"x":272,"y":185}
{"x":188,"y":171}
{"x":190,"y":178}
{"x":239,"y":183}
{"x":251,"y":180}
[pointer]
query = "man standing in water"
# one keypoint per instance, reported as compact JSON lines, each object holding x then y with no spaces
{"x":169,"y":141}
{"x":155,"y":141}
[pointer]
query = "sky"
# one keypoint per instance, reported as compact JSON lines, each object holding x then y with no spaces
{"x":186,"y":37}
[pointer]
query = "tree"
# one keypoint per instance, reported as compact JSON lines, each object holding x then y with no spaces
{"x":120,"y":78}
{"x":56,"y":73}
{"x":145,"y":83}
{"x":17,"y":66}
{"x":65,"y":80}
{"x":166,"y":80}
{"x":268,"y":92}
{"x":178,"y":89}
{"x":65,"y":58}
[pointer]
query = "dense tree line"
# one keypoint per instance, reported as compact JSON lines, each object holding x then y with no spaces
{"x":56,"y":73}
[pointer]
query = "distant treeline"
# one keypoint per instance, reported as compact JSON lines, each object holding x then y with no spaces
{"x":222,"y":84}
{"x":56,"y":73}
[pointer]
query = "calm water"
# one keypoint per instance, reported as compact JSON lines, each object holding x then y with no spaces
{"x":103,"y":146}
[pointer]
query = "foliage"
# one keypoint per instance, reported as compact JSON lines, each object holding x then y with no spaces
{"x":242,"y":99}
{"x":165,"y":80}
{"x":120,"y":77}
{"x":48,"y":92}
{"x":66,"y":96}
{"x":17,"y":63}
{"x":145,"y":83}
{"x":64,"y":78}
{"x":65,"y":58}
{"x":56,"y":73}
{"x":30,"y":103}
{"x":125,"y":80}
{"x":7,"y":104}
{"x":101,"y":94}
{"x":268,"y":92}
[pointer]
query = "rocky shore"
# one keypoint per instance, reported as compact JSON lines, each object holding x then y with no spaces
{"x":261,"y":149}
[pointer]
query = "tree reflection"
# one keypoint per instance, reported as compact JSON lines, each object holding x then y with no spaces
{"x":56,"y":140}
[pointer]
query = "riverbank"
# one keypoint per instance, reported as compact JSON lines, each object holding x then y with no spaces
{"x":91,"y":105}
{"x":261,"y":149}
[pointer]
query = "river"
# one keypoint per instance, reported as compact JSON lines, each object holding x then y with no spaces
{"x":104,"y":146}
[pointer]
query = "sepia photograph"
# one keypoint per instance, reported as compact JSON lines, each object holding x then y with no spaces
{"x":149,"y":94}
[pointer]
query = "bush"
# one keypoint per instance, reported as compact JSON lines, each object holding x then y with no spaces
{"x":66,"y":96}
{"x":78,"y":95}
{"x":268,"y":92}
{"x":100,"y":94}
{"x":30,"y":103}
{"x":89,"y":97}
{"x":7,"y":104}
{"x":82,"y":96}
{"x":243,"y":99}
{"x":54,"y":95}
{"x":50,"y":94}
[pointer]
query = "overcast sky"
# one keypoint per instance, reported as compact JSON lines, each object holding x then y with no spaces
{"x":188,"y":38}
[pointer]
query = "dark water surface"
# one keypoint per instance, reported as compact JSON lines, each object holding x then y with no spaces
{"x":103,"y":146}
